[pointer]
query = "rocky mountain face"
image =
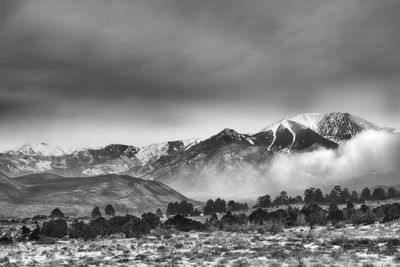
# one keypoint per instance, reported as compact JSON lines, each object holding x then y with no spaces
{"x":184,"y":161}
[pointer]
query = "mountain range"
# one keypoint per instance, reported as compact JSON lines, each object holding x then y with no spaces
{"x":190,"y":163}
{"x":303,"y":132}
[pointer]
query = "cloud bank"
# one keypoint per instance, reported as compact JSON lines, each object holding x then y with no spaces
{"x":368,"y":153}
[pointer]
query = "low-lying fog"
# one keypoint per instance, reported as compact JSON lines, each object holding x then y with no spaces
{"x":366,"y":153}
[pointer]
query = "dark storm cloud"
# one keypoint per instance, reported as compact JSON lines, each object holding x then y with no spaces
{"x":172,"y":58}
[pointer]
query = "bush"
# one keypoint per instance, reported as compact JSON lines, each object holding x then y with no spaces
{"x":6,"y":240}
{"x":335,"y":215}
{"x":183,"y":224}
{"x":25,"y":231}
{"x":77,"y":229}
{"x":230,"y":219}
{"x":258,"y":216}
{"x":100,"y":227}
{"x":213,"y":223}
{"x":151,"y":219}
{"x":117,"y":222}
{"x":360,"y":217}
{"x":388,"y":212}
{"x":294,"y":217}
{"x":315,"y":215}
{"x":135,"y":227}
{"x":35,"y":234}
{"x":57,"y":228}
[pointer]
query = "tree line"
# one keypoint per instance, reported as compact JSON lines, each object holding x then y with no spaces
{"x":212,"y":206}
{"x":337,"y":195}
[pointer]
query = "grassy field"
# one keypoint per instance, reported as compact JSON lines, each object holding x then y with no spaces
{"x":372,"y":245}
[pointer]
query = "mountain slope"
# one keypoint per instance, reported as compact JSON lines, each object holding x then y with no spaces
{"x":292,"y":135}
{"x":79,"y":195}
{"x":9,"y":188}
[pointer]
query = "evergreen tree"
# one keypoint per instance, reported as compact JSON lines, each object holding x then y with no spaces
{"x":335,"y":194}
{"x":57,"y":213}
{"x":109,"y":210}
{"x":96,"y":212}
{"x":210,"y":207}
{"x":318,"y":196}
{"x":345,"y":196}
{"x":392,"y":192}
{"x":159,"y":213}
{"x":354,"y":197}
{"x":264,"y":202}
{"x":309,"y":195}
{"x":366,"y":194}
{"x":220,"y":205}
{"x":378,"y":194}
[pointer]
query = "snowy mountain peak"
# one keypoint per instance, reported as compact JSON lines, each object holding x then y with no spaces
{"x":42,"y":149}
{"x":335,"y":126}
{"x":309,"y":120}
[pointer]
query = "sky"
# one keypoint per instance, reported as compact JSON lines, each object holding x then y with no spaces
{"x":82,"y":73}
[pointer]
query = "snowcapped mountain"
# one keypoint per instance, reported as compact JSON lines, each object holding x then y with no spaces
{"x":114,"y":158}
{"x":41,"y":149}
{"x":334,"y":126}
{"x":169,"y":161}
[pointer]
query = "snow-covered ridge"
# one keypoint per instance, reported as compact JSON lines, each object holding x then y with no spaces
{"x":41,"y":149}
{"x":310,"y":120}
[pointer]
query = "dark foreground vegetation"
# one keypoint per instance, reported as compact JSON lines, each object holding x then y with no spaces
{"x":58,"y":227}
{"x":266,"y":215}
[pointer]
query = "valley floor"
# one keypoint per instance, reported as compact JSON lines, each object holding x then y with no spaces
{"x":372,"y":245}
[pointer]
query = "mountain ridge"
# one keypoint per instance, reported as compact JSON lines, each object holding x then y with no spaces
{"x":300,"y":133}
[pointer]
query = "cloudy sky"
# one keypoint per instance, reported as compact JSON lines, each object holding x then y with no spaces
{"x":89,"y":73}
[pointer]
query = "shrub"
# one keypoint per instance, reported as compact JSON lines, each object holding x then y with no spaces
{"x":315,"y":215}
{"x":258,"y":216}
{"x":388,"y":212}
{"x":117,"y":222}
{"x":77,"y":229}
{"x":151,"y":219}
{"x":35,"y":234}
{"x":100,"y":226}
{"x":57,"y":228}
{"x":335,"y":215}
{"x":135,"y":227}
{"x":25,"y":230}
{"x":6,"y":240}
{"x":183,"y":224}
{"x":230,"y":219}
{"x":213,"y":222}
{"x":294,"y":217}
{"x":360,"y":217}
{"x":89,"y":232}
